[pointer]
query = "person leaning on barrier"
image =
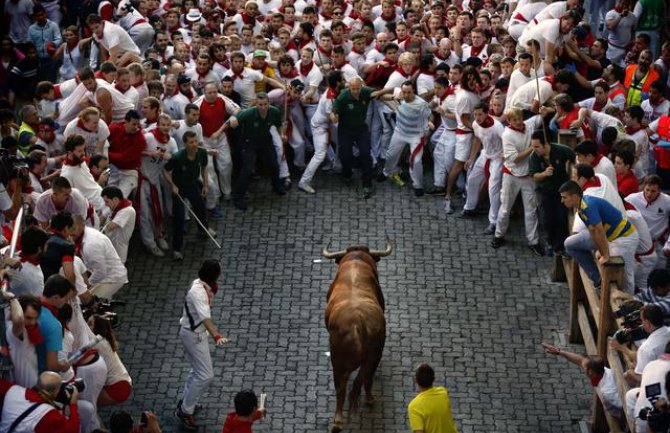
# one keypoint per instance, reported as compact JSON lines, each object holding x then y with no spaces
{"x":34,"y":409}
{"x":637,"y":399}
{"x":601,"y":377}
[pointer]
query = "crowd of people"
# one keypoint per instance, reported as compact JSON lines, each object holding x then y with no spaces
{"x":139,"y":115}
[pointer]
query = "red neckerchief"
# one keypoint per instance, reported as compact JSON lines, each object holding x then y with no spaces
{"x":451,"y":90}
{"x":474,"y":51}
{"x":626,"y":205}
{"x":140,"y":84}
{"x":596,"y":380}
{"x":324,"y":52}
{"x":122,"y":205}
{"x":116,"y":86}
{"x":225,"y":63}
{"x":337,"y":68}
{"x":332,"y":93}
{"x":34,"y":335}
{"x":551,"y":81}
{"x":291,"y":46}
{"x":592,"y":183}
{"x":51,"y":308}
{"x":598,"y":106}
{"x":302,"y":43}
{"x":248,"y":19}
{"x":437,"y":54}
{"x":237,"y":75}
{"x":361,"y":52}
{"x":487,"y":123}
{"x":306,"y":69}
{"x":402,"y":72}
{"x":160,"y":137}
{"x":514,"y":128}
{"x":354,"y":15}
{"x":390,"y":18}
{"x":291,"y":74}
{"x":597,"y":159}
{"x":215,"y":288}
{"x":25,"y":258}
{"x":630,"y":130}
{"x":402,"y":41}
{"x":68,"y":161}
{"x":80,"y":125}
{"x":326,"y":15}
{"x":290,"y":23}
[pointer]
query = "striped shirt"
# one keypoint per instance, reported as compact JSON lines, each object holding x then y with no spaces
{"x":412,"y":117}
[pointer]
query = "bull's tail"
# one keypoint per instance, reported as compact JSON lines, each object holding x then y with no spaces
{"x":358,"y":349}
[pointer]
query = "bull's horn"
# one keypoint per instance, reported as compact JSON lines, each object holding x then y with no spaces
{"x":332,"y":255}
{"x":385,"y":252}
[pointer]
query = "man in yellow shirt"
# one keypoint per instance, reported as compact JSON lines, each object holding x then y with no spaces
{"x":430,"y":410}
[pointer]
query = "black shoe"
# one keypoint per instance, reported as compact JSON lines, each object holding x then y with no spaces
{"x":497,"y":242}
{"x":198,"y":406}
{"x":280,"y":191}
{"x":186,"y":420}
{"x":467,"y":214}
{"x":537,"y":249}
{"x":437,"y":191}
{"x":490,"y":229}
{"x":381,"y":177}
{"x":418,"y":192}
{"x":240,"y":204}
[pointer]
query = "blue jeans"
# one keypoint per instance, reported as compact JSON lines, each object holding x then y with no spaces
{"x":580,"y":246}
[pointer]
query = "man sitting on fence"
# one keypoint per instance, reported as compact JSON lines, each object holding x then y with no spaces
{"x":610,"y":234}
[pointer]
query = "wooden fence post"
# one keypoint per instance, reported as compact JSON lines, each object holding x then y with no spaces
{"x":577,"y":296}
{"x":611,"y":272}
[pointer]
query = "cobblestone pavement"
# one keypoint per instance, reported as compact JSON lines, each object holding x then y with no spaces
{"x":476,"y":314}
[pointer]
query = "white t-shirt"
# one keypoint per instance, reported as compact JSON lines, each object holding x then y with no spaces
{"x":120,"y":237}
{"x":152,"y":168}
{"x":178,"y":133}
{"x":175,"y":105}
{"x":491,"y":139}
{"x":465,"y":104}
{"x":115,"y":36}
{"x":246,"y":86}
{"x":24,"y":358}
{"x":101,"y":259}
{"x":546,"y":31}
{"x":197,"y":306}
{"x":525,"y":95}
{"x":652,"y":348}
{"x":80,"y":177}
{"x":45,"y":208}
{"x":92,"y":138}
{"x":28,"y":280}
{"x":116,"y":371}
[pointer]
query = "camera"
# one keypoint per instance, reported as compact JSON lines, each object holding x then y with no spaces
{"x":657,"y":416}
{"x":631,"y":328}
{"x":66,"y":390}
{"x":103,"y":308}
{"x":627,"y":308}
{"x":12,"y":167}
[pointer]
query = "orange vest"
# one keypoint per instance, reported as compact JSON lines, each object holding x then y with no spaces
{"x":662,"y":154}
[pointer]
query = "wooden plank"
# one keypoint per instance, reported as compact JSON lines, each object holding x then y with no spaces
{"x":591,"y":294}
{"x":618,"y":367}
{"x":585,"y":327}
{"x":576,"y":292}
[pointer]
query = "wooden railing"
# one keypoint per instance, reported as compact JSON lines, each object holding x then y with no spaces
{"x":592,"y":321}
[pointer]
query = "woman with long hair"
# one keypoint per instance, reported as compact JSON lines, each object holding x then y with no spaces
{"x":118,"y":386}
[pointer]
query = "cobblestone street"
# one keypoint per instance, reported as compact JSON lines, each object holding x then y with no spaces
{"x":476,"y":314}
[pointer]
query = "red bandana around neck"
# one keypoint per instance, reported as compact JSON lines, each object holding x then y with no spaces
{"x":80,"y":125}
{"x":514,"y":128}
{"x":162,"y":138}
{"x":389,"y":18}
{"x":596,"y":380}
{"x":402,"y":72}
{"x":31,"y":260}
{"x":487,"y":123}
{"x":292,"y":74}
{"x":305,"y":69}
{"x":324,"y":52}
{"x":476,"y":51}
{"x":332,"y":93}
{"x":630,"y":130}
{"x":122,"y":205}
{"x":34,"y":335}
{"x":598,"y":106}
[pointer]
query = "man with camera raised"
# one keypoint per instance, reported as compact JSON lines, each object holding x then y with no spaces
{"x":36,"y":409}
{"x":651,"y":387}
{"x":659,"y":335}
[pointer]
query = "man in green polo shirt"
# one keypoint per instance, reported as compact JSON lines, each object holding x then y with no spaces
{"x":350,"y":111}
{"x":256,"y":135}
{"x":183,"y":172}
{"x":550,"y":165}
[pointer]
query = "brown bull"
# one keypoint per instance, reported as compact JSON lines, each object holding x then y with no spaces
{"x":356,"y":323}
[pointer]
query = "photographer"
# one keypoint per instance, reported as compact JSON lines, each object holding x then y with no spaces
{"x":36,"y":410}
{"x":637,"y":399}
{"x":601,"y":377}
{"x":657,"y":292}
{"x":659,"y":335}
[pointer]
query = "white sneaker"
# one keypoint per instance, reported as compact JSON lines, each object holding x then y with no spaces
{"x":447,"y":206}
{"x":162,"y":244}
{"x":176,"y":255}
{"x":307,"y":188}
{"x":156,"y":251}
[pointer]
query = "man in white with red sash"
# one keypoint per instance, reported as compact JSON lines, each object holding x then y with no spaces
{"x":121,"y":222}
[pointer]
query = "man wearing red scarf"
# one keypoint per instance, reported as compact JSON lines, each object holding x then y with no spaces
{"x":160,"y":148}
{"x":387,"y":16}
{"x":121,"y":222}
{"x":126,"y":144}
{"x":75,"y":169}
{"x":29,"y":278}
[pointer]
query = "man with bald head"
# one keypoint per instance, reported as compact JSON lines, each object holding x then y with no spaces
{"x":38,"y":405}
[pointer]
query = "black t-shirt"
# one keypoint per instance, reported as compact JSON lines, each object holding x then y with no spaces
{"x":57,"y":251}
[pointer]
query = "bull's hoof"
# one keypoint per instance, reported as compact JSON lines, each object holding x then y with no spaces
{"x":369,"y":401}
{"x":336,"y":429}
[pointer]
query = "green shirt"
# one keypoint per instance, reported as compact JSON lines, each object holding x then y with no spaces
{"x":352,"y":111}
{"x":559,"y":155}
{"x":256,"y":129}
{"x":186,"y":172}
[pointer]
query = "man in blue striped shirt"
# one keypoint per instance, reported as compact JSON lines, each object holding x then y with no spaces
{"x":658,"y":292}
{"x":412,"y":124}
{"x":46,"y":36}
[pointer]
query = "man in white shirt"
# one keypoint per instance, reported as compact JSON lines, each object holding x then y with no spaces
{"x":619,"y":22}
{"x":121,"y":223}
{"x":28,"y":279}
{"x":654,"y":206}
{"x":190,"y":122}
{"x":654,"y":373}
{"x":174,"y":102}
{"x":245,"y":79}
{"x":107,"y":272}
{"x":115,"y":41}
{"x":196,"y":322}
{"x":551,"y":34}
{"x":587,"y":152}
{"x":77,"y":172}
{"x":520,"y":76}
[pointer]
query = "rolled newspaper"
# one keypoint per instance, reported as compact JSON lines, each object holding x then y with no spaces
{"x":77,"y":355}
{"x":262,"y":403}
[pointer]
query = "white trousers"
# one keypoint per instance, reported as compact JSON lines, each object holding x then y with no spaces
{"x":631,"y":399}
{"x":643,"y":267}
{"x":515,"y":30}
{"x":477,"y":175}
{"x":88,"y":418}
{"x":388,"y":126}
{"x":625,"y":247}
{"x":297,"y":139}
{"x":397,"y":145}
{"x":661,"y":260}
{"x":148,"y":230}
{"x":201,"y":375}
{"x":616,"y":55}
{"x":320,"y":138}
{"x":106,"y":290}
{"x":143,"y":36}
{"x":125,"y":180}
{"x":443,"y":157}
{"x":95,"y":376}
{"x":278,"y":143}
{"x":511,"y":186}
{"x":219,"y":170}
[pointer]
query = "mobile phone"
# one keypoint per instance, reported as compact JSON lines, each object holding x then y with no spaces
{"x":107,"y":171}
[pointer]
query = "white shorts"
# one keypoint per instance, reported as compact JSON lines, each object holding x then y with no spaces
{"x":463,"y":147}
